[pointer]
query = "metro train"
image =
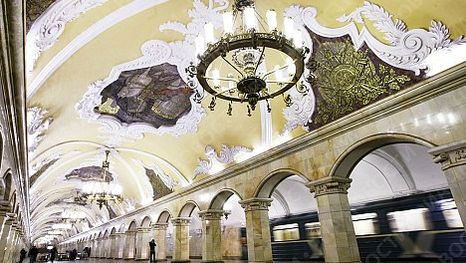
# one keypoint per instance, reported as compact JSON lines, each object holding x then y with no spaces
{"x":421,"y":227}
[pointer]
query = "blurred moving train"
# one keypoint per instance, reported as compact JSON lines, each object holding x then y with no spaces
{"x":421,"y":227}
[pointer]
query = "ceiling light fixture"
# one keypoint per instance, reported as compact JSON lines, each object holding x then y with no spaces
{"x":234,"y":68}
{"x":99,"y":190}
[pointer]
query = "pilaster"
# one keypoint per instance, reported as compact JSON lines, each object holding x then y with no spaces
{"x":258,"y":229}
{"x":130,"y":243}
{"x":181,"y":239}
{"x":142,"y":243}
{"x":339,"y":239}
{"x":452,"y":158}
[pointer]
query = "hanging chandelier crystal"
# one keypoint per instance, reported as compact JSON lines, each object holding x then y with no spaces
{"x":252,"y":61}
{"x":99,"y":190}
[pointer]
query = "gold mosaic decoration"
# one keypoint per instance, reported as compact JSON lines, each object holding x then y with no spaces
{"x":347,"y":79}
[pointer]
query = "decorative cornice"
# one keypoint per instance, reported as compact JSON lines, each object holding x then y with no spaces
{"x":254,"y":204}
{"x":181,"y":221}
{"x":212,"y":214}
{"x":143,"y":229}
{"x":330,"y":185}
{"x":450,"y":155}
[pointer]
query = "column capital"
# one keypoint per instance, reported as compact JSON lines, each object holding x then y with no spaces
{"x":256,"y":203}
{"x":159,"y":226}
{"x":129,"y":232}
{"x":330,"y":185}
{"x":211,"y":214}
{"x":143,"y":229}
{"x":178,"y":221}
{"x":450,"y":155}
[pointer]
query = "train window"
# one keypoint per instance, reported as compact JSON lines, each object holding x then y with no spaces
{"x":409,"y":220}
{"x":286,"y":232}
{"x":312,"y":229}
{"x":365,"y":224}
{"x":450,"y":213}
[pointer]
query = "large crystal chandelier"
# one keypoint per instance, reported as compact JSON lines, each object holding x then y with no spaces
{"x":252,"y":60}
{"x":99,"y":190}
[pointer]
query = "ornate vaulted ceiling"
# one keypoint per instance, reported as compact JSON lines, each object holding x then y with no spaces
{"x":109,"y":74}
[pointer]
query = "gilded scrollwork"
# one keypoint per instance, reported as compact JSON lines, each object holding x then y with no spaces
{"x":347,"y":79}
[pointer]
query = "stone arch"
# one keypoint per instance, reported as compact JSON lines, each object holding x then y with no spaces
{"x":122,"y":227}
{"x":351,"y":156}
{"x":133,"y":225}
{"x":188,"y":208}
{"x":164,"y":216}
{"x":221,"y":197}
{"x":273,"y":179}
{"x":146,"y":221}
{"x":113,"y":231}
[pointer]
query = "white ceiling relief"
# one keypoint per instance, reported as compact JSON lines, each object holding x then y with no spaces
{"x":38,"y":122}
{"x":50,"y":26}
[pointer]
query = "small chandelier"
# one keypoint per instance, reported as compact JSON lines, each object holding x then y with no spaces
{"x":72,"y":216}
{"x":234,"y":68}
{"x":99,"y":190}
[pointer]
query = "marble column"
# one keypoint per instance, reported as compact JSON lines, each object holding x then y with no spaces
{"x":212,"y":235}
{"x":143,"y":236}
{"x":11,"y":244}
{"x":258,"y":229}
{"x":160,"y":237}
{"x":181,"y":239}
{"x":7,"y":234}
{"x":119,"y":245}
{"x":336,"y":225}
{"x":130,"y":243}
{"x":452,"y":157}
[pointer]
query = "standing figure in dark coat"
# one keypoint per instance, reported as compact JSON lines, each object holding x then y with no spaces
{"x":22,"y":255}
{"x":53,"y":254}
{"x":152,"y":246}
{"x":33,"y":254}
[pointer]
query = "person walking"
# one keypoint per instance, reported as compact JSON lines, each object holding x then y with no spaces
{"x":22,"y":255}
{"x":53,"y":254}
{"x":33,"y":252}
{"x":152,"y":246}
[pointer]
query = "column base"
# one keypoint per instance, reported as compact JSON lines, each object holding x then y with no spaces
{"x":161,"y":260}
{"x":181,"y":261}
{"x":212,"y":261}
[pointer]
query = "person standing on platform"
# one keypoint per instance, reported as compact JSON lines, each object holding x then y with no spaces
{"x":33,"y":254}
{"x":152,"y":246}
{"x":22,"y":255}
{"x":53,"y":254}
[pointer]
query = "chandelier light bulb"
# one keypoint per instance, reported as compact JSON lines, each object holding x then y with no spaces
{"x":200,"y":45}
{"x":249,"y":18}
{"x":288,"y":25}
{"x":228,"y":27}
{"x":271,"y":16}
{"x":216,"y":77}
{"x":291,"y":66}
{"x":298,"y":38}
{"x":209,"y":33}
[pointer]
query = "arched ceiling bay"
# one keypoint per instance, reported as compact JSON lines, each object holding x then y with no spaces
{"x":127,"y":43}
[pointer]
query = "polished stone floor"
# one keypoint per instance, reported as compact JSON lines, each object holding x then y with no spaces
{"x":198,"y":261}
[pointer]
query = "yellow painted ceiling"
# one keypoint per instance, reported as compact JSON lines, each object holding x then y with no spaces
{"x":121,"y":43}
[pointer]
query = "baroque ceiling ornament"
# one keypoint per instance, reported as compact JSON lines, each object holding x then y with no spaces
{"x":50,"y":25}
{"x":155,"y":53}
{"x":38,"y":122}
{"x":227,"y":155}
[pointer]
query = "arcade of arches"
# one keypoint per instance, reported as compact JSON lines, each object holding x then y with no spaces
{"x":369,"y":166}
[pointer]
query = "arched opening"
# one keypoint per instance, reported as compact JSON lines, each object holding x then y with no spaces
{"x":232,"y":225}
{"x":146,"y":222}
{"x":398,"y":191}
{"x":7,"y":179}
{"x":179,"y":239}
{"x":164,"y":217}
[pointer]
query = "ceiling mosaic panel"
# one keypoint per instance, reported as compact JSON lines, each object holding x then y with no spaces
{"x":159,"y":188}
{"x":35,"y":8}
{"x":89,"y":173}
{"x":345,"y":80}
{"x":155,"y":95}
